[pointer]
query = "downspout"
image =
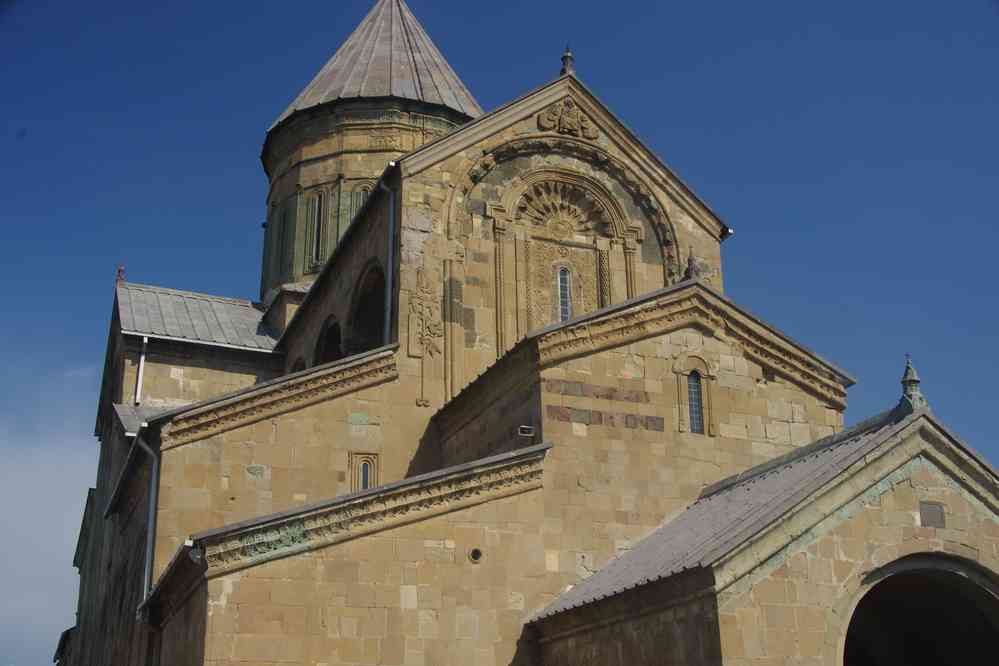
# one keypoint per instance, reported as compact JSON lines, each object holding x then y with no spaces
{"x":142,"y":369}
{"x":390,"y":261}
{"x":154,"y":491}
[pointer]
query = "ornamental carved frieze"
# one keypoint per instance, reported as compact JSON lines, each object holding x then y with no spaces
{"x":700,"y":311}
{"x":565,"y":117}
{"x":280,"y":398}
{"x":564,"y":209}
{"x":372,"y":513}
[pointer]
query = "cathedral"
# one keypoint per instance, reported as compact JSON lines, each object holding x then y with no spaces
{"x":494,"y":408}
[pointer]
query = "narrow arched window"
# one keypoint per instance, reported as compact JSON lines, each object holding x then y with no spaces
{"x":695,"y":402}
{"x":365,"y":475}
{"x":360,"y":195}
{"x":319,"y":228}
{"x":564,"y":295}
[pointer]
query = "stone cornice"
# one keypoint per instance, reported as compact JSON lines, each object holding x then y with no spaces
{"x":248,"y":544}
{"x":279,"y":397}
{"x":696,"y":305}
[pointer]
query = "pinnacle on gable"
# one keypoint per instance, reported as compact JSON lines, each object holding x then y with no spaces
{"x":568,"y":62}
{"x":912,"y":395}
{"x":388,"y":55}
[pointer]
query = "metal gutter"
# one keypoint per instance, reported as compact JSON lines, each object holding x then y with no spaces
{"x":142,"y":369}
{"x":197,"y":342}
{"x":153,"y":502}
{"x":390,"y":260}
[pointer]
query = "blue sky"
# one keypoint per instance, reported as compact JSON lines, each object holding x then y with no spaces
{"x":852,"y":145}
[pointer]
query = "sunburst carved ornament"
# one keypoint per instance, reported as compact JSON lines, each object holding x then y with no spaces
{"x":564,"y":209}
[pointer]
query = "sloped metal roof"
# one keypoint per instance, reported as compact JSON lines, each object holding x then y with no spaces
{"x":732,"y":511}
{"x":191,"y":317}
{"x":388,"y":55}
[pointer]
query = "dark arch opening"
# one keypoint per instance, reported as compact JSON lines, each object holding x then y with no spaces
{"x":923,"y":618}
{"x":367,"y":326}
{"x":329,"y":348}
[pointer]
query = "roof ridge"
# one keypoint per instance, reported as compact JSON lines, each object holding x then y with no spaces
{"x":190,"y":294}
{"x":878,"y":421}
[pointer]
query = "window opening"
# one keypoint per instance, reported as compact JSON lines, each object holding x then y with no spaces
{"x":365,"y":475}
{"x":564,"y":295}
{"x":319,"y":228}
{"x":695,"y":402}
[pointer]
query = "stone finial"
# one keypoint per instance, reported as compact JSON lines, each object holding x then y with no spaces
{"x":120,"y":275}
{"x":696,"y":269}
{"x":912,"y":396}
{"x":568,"y":62}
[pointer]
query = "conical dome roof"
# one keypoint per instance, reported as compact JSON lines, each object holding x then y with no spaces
{"x":388,"y":55}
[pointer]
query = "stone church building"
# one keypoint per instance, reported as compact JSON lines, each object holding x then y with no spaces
{"x":493,"y":407}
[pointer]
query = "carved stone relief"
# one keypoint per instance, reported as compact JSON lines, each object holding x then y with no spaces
{"x":426,"y":327}
{"x":545,"y":258}
{"x":565,"y":117}
{"x":564,"y":209}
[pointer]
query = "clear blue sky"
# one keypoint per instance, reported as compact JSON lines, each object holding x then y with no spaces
{"x":852,"y":145}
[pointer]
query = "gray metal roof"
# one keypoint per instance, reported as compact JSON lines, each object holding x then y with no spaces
{"x":191,"y":317}
{"x":732,"y":511}
{"x":133,"y":416}
{"x":388,"y":55}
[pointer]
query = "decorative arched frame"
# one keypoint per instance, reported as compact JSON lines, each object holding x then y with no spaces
{"x":359,"y":194}
{"x":456,"y":216}
{"x":357,"y":464}
{"x":859,"y":586}
{"x":636,"y":186}
{"x":321,"y":210}
{"x":683,"y":367}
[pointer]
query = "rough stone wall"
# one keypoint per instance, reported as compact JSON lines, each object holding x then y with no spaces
{"x":796,"y":606}
{"x":283,"y":462}
{"x":177,"y":374}
{"x":621,"y":464}
{"x":410,"y":595}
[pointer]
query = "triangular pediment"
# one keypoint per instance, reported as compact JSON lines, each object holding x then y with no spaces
{"x":566,"y":111}
{"x":744,"y":525}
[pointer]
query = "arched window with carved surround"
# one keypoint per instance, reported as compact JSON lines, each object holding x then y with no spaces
{"x":363,"y":470}
{"x":563,"y":288}
{"x":695,"y":380}
{"x":695,"y":402}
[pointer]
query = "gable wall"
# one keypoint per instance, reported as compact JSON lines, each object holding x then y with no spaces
{"x":797,"y":605}
{"x":178,"y":374}
{"x":409,"y":595}
{"x":491,"y":269}
{"x":282,"y":462}
{"x":621,"y":464}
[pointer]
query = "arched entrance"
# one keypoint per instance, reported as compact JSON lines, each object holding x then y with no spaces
{"x":928,"y":617}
